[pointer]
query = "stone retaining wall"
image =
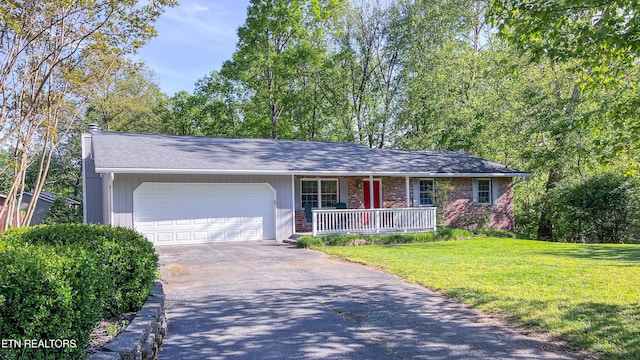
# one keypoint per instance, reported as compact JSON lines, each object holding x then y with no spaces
{"x":143,"y":337}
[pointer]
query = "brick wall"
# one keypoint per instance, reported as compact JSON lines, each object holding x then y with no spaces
{"x":460,"y":210}
{"x":354,"y":184}
{"x":462,"y":213}
{"x":301,"y":222}
{"x":393,"y":192}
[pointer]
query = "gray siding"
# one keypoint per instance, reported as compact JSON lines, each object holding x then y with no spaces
{"x":125,"y":184}
{"x":91,"y":185}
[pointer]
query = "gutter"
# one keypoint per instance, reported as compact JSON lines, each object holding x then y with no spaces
{"x":302,"y":172}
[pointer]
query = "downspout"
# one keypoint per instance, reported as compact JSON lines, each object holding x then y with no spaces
{"x":520,"y":179}
{"x":110,"y":195}
{"x":84,"y":177}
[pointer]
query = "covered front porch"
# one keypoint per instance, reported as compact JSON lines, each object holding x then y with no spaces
{"x":364,"y":204}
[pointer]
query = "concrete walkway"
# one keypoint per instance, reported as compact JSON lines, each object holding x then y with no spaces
{"x":266,"y":300}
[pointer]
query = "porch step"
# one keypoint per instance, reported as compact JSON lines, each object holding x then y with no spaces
{"x":293,"y":239}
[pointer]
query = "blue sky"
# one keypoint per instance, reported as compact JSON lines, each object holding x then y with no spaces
{"x":193,"y":39}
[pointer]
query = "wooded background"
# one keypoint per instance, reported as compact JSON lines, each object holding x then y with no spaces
{"x":549,"y":87}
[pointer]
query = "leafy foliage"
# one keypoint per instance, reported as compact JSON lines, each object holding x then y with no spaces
{"x":50,"y":292}
{"x":49,"y":53}
{"x":383,"y":239}
{"x":61,"y":213}
{"x":277,"y":55}
{"x":601,"y":209}
{"x":570,"y":29}
{"x":127,"y":257}
{"x":59,"y":281}
{"x":126,"y":99}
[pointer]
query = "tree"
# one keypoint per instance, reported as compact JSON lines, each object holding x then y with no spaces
{"x":212,"y":110}
{"x":604,"y":209}
{"x":43,"y":46}
{"x":369,"y":64}
{"x":61,"y":213}
{"x":279,"y":39}
{"x":592,"y":31}
{"x":466,"y":89}
{"x":599,"y":41}
{"x":126,"y":98}
{"x":449,"y":65}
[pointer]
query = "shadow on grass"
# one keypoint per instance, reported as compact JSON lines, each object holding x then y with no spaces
{"x":607,"y":327}
{"x":627,"y":255}
{"x":612,"y":331}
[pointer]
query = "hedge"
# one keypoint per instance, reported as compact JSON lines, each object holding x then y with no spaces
{"x":127,"y":257}
{"x":58,"y":281}
{"x":49,"y":294}
{"x":445,"y":234}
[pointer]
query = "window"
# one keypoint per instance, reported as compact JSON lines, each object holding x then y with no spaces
{"x":310,"y":193}
{"x":426,"y":192}
{"x":484,"y":191}
{"x":328,"y":193}
{"x":319,"y":193}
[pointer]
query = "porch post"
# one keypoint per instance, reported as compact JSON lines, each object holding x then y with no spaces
{"x":406,"y":187}
{"x":314,"y":224}
{"x":376,"y":220}
{"x":293,"y":202}
{"x":371,"y":191}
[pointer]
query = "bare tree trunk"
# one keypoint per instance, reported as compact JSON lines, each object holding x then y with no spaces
{"x":545,"y":224}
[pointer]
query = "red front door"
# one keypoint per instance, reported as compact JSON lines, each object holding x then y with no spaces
{"x":376,"y":194}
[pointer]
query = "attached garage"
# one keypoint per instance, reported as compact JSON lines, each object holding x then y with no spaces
{"x":189,"y":213}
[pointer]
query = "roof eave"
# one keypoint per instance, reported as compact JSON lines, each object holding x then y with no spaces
{"x":305,"y":172}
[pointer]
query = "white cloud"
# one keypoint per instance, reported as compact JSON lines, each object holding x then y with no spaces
{"x":193,"y":39}
{"x":197,"y":19}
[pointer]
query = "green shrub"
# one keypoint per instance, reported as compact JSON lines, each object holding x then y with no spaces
{"x":49,"y":293}
{"x":453,"y":234}
{"x":494,"y":233}
{"x":309,"y":241}
{"x":344,"y":239}
{"x":13,"y":235}
{"x":126,"y":256}
{"x":476,"y":218}
{"x":602,"y":209}
{"x":61,"y":213}
{"x":444,"y":234}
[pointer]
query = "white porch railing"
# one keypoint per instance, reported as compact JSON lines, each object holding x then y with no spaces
{"x":373,"y":220}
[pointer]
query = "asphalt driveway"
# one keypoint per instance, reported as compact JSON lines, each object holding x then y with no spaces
{"x":267,"y":300}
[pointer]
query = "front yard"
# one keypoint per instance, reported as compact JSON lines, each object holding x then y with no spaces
{"x":588,"y":295}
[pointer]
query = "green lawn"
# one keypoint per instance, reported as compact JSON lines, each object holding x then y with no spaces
{"x":588,"y":295}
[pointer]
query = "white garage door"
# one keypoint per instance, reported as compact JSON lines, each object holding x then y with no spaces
{"x":181,"y":213}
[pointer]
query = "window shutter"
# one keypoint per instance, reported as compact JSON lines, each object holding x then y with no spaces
{"x":344,"y":191}
{"x":494,"y":191}
{"x":475,"y":190}
{"x":416,"y":192}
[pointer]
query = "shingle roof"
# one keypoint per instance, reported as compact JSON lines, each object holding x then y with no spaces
{"x":146,"y":153}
